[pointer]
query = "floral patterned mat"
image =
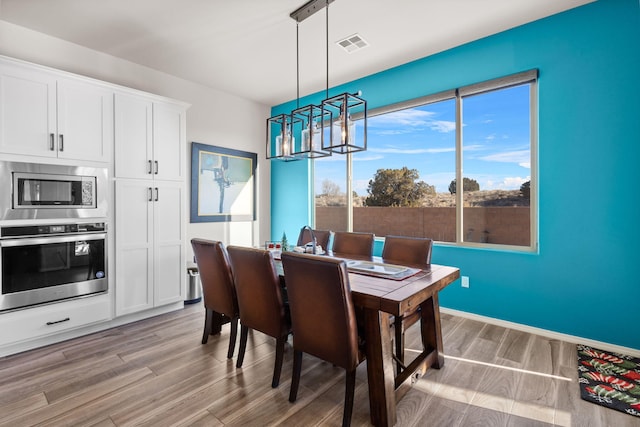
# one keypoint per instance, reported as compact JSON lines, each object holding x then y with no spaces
{"x":609,"y":379}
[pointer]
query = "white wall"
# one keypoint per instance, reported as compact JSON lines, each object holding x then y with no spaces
{"x":215,"y":117}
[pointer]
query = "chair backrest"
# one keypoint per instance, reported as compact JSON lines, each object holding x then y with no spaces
{"x":322,"y":237}
{"x":407,"y":250}
{"x":349,"y":243}
{"x":322,"y":313}
{"x":216,"y":276}
{"x":258,"y":289}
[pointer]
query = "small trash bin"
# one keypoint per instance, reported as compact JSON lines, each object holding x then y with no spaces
{"x":194,"y":286}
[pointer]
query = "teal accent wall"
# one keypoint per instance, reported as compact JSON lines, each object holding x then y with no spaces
{"x":584,"y":281}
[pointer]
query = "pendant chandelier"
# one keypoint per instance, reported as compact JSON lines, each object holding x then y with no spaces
{"x":319,"y":129}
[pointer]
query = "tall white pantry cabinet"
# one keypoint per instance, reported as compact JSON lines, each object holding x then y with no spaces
{"x":150,"y":199}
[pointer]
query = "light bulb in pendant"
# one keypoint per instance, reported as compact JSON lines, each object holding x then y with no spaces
{"x":345,"y":129}
{"x":284,"y":143}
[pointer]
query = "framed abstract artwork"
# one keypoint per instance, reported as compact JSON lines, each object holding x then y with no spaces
{"x":223,"y":184}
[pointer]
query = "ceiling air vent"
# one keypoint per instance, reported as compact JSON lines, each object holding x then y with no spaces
{"x":352,"y":43}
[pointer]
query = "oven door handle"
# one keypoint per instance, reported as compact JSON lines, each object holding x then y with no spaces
{"x":31,"y":241}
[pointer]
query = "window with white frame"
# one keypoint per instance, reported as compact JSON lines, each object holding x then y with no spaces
{"x":406,"y":182}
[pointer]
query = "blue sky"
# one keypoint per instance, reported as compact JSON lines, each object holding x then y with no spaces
{"x":496,"y":143}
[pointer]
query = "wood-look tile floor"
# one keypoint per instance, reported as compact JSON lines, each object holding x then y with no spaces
{"x":156,"y":373}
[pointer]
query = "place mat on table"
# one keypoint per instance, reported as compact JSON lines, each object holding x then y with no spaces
{"x":400,"y":275}
{"x":609,"y":379}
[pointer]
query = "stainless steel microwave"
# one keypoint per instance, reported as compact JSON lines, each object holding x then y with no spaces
{"x":52,"y":191}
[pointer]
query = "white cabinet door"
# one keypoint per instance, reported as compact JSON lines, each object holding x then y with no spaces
{"x":133,"y":136}
{"x":27,"y":111}
{"x":134,"y":246}
{"x":168,"y":141}
{"x":169,"y":251}
{"x":85,"y":121}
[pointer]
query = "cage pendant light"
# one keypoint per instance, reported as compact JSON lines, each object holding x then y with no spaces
{"x":341,"y":133}
{"x":281,"y":142}
{"x":346,"y":135}
{"x":311,"y":118}
{"x":308,"y":119}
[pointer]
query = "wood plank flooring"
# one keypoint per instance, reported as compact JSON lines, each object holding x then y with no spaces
{"x":156,"y":373}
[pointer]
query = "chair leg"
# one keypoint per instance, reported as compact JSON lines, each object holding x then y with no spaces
{"x":349,"y":390}
{"x":232,"y":337}
{"x":208,"y":317}
{"x":399,"y":342}
{"x":244,"y":330}
{"x":277,"y":368}
{"x":295,"y":377}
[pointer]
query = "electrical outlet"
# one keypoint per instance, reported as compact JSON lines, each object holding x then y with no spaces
{"x":465,"y":281}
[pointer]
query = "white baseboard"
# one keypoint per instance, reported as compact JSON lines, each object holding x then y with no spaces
{"x":544,"y":332}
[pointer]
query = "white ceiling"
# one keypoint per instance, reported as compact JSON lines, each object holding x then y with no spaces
{"x":248,"y":47}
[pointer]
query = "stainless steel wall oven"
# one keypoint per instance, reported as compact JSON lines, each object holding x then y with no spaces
{"x":45,"y":263}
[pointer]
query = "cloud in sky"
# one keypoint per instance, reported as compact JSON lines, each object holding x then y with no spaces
{"x":367,"y":158}
{"x":442,"y":126}
{"x":411,"y":119}
{"x":506,"y":183}
{"x":411,"y":150}
{"x":520,"y":157}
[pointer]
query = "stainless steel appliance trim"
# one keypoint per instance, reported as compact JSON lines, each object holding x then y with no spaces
{"x":7,"y":212}
{"x":25,"y":299}
{"x":31,"y":241}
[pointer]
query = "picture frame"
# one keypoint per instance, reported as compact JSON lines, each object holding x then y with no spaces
{"x":223,"y":184}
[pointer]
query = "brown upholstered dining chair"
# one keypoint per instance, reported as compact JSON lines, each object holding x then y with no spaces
{"x":413,"y":252}
{"x":322,"y":237}
{"x":218,"y":291}
{"x":260,"y":301}
{"x":323,"y":318}
{"x":349,"y":243}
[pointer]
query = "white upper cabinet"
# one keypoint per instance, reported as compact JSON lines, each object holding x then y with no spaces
{"x":46,"y":115}
{"x":149,"y":139}
{"x":133,"y":136}
{"x":168,"y":128}
{"x":85,"y":121}
{"x":27,"y":111}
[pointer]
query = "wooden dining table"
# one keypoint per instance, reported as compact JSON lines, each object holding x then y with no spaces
{"x":380,"y":298}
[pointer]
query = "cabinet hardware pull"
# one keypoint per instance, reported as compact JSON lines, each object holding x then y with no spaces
{"x":66,"y":319}
{"x":157,"y":194}
{"x":61,"y":145}
{"x":156,"y":163}
{"x":150,"y":168}
{"x":52,"y":142}
{"x":150,"y":194}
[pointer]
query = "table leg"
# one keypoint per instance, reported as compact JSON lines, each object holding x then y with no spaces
{"x":380,"y":373}
{"x":431,"y":329}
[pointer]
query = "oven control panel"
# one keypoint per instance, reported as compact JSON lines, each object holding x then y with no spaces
{"x":52,"y":229}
